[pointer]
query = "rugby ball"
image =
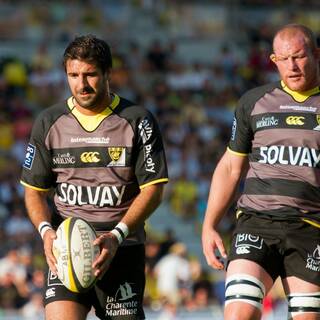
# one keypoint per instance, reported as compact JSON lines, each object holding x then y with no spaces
{"x":74,"y":251}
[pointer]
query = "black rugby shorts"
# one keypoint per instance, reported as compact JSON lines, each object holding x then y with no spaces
{"x":282,"y":248}
{"x":118,"y":295}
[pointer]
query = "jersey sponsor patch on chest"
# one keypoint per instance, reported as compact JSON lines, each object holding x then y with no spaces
{"x":83,"y":195}
{"x":288,"y":155}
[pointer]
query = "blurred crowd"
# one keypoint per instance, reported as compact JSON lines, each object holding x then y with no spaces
{"x":194,"y":105}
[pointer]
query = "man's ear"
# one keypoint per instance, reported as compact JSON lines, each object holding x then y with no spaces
{"x":273,"y":57}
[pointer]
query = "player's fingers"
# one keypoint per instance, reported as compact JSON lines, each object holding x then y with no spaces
{"x":221,"y":248}
{"x":48,"y":239}
{"x":212,"y":259}
{"x":99,"y":273}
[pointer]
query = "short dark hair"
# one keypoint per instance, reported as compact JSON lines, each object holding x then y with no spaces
{"x":90,"y":49}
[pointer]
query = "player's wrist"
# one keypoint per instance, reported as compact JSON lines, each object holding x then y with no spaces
{"x":43,"y":227}
{"x":120,"y":231}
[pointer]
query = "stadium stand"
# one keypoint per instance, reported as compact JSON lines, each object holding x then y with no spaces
{"x":188,"y":62}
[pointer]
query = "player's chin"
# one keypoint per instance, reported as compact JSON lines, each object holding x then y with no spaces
{"x":297,"y":84}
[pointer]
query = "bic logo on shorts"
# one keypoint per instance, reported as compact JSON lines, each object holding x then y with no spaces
{"x":246,"y":241}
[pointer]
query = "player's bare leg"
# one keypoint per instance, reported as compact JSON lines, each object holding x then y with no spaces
{"x":303,"y":299}
{"x":65,"y":310}
{"x":247,"y":283}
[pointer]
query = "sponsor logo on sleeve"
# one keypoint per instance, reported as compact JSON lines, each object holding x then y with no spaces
{"x":234,"y":129}
{"x":30,"y":154}
{"x":149,"y":163}
{"x":145,"y":130}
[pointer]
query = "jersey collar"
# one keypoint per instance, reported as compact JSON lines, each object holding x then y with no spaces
{"x":90,"y":123}
{"x":300,"y":96}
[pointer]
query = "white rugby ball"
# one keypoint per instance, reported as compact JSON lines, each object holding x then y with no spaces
{"x":74,"y":251}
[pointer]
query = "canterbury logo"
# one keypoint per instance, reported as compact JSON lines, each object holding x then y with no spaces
{"x":90,"y":157}
{"x":295,"y":121}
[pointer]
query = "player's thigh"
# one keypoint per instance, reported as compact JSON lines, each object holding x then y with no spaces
{"x":246,"y":285}
{"x":66,"y":310}
{"x":303,"y":299}
{"x":251,"y":268}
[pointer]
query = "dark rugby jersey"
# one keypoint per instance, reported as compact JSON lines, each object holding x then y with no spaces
{"x":280,"y":132}
{"x":96,"y":164}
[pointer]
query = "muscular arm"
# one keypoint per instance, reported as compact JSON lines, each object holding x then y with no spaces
{"x":37,"y":206}
{"x":224,"y":185}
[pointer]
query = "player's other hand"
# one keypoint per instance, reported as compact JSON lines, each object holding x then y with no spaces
{"x":48,"y":238}
{"x":212,"y":245}
{"x":108,"y":244}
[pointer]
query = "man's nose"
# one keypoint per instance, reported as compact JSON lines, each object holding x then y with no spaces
{"x":292,"y":63}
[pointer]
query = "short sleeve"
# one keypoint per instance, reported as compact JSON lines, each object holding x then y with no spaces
{"x":150,"y":166}
{"x":241,"y":131}
{"x":36,"y":170}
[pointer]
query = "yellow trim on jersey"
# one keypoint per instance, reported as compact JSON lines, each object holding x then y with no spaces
{"x":33,"y":187}
{"x":239,"y":212}
{"x":300,"y":96}
{"x":154,"y":182}
{"x":90,"y":123}
{"x":313,"y":223}
{"x":237,"y":153}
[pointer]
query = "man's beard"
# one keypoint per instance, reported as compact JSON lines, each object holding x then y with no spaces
{"x":93,"y":101}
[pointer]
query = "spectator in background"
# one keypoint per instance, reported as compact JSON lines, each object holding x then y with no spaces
{"x":173,"y":273}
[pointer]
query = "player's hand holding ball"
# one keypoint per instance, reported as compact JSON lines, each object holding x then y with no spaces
{"x":108,"y":244}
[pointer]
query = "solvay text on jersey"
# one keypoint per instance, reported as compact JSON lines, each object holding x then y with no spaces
{"x":99,"y":196}
{"x":289,"y":155}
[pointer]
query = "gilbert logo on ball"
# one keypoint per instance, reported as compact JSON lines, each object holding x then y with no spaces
{"x":74,"y":251}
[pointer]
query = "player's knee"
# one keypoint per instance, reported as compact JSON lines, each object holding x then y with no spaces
{"x":244,"y":288}
{"x":299,"y":303}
